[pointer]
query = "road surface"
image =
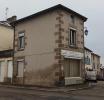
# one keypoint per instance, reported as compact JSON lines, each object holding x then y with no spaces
{"x":95,"y":93}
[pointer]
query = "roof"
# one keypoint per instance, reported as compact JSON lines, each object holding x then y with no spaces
{"x":96,"y":54}
{"x":88,"y":49}
{"x":5,"y":23}
{"x":59,"y":6}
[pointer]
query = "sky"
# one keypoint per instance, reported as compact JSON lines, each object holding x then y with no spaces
{"x":92,"y":9}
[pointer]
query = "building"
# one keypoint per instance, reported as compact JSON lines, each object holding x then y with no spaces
{"x":96,"y":62}
{"x":6,"y":52}
{"x":49,"y":48}
{"x":88,"y":59}
{"x":101,"y":75}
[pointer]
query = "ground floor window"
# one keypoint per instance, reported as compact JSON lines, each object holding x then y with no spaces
{"x":72,"y":68}
{"x":20,"y":68}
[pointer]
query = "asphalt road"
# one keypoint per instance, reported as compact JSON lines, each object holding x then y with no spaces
{"x":95,"y":93}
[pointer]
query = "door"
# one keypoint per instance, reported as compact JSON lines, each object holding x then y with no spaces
{"x":74,"y":68}
{"x":67,"y":68}
{"x":2,"y":71}
{"x":10,"y":69}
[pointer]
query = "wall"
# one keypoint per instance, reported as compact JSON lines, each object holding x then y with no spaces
{"x":6,"y":38}
{"x":4,"y":69}
{"x":40,"y":63}
{"x":65,"y":24}
{"x":88,"y":65}
{"x":45,"y":36}
{"x":96,"y":63}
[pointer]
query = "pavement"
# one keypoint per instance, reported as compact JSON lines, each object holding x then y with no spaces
{"x":15,"y":93}
{"x":51,"y":89}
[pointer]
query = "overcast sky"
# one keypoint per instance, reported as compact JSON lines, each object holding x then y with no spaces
{"x":92,"y":9}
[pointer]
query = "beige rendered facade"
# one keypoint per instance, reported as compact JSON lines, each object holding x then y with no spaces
{"x":6,"y":69}
{"x":6,"y":52}
{"x":6,"y":37}
{"x":47,"y":57}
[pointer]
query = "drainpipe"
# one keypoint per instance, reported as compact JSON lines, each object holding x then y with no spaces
{"x":84,"y":54}
{"x":13,"y":53}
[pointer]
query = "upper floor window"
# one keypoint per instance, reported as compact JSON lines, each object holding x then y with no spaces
{"x":72,"y":18}
{"x":72,"y":38}
{"x":87,"y":60}
{"x":21,"y":40}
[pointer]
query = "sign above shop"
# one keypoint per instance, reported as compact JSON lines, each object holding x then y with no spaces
{"x":72,"y":54}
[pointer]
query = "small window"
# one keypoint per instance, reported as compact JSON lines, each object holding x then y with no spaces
{"x":87,"y":60}
{"x":21,"y":40}
{"x":72,"y":18}
{"x":72,"y":38}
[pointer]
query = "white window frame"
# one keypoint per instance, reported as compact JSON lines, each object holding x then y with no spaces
{"x":22,"y":46}
{"x":70,"y":37}
{"x":8,"y":68}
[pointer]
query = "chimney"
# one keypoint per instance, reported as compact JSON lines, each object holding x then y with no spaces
{"x":12,"y":19}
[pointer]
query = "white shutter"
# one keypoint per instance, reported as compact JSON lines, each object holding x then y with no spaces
{"x":10,"y":69}
{"x":2,"y":65}
{"x":20,"y":68}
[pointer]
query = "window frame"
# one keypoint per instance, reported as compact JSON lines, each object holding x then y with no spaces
{"x":23,"y":61}
{"x":72,"y":19}
{"x":70,"y":37}
{"x":21,"y":48}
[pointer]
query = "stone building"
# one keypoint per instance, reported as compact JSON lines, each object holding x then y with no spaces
{"x":49,"y":48}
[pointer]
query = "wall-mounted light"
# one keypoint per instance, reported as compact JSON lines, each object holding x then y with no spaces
{"x":85,"y":31}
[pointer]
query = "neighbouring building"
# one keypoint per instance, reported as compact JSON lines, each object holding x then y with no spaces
{"x":96,"y":62}
{"x":88,"y":59}
{"x":49,"y":48}
{"x":101,"y":75}
{"x":6,"y":52}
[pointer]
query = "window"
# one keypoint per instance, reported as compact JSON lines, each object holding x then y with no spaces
{"x":21,"y":40}
{"x":20,"y":68}
{"x":72,"y":18}
{"x":72,"y":37}
{"x":87,"y":60}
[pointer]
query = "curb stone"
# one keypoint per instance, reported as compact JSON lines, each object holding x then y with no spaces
{"x":62,"y":90}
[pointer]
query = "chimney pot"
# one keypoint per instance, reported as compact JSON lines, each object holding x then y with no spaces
{"x":12,"y":19}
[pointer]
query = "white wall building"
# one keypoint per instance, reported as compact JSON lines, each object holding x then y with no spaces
{"x":88,"y":59}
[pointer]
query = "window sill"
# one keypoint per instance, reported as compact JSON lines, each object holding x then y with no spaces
{"x":73,"y":46}
{"x":21,"y":49}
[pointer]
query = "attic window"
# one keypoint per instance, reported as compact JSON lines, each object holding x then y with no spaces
{"x":72,"y":18}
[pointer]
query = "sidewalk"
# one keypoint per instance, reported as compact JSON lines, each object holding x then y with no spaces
{"x":65,"y":89}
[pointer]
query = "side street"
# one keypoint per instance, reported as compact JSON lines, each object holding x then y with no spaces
{"x":44,"y":57}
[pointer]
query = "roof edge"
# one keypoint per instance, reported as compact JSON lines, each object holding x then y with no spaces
{"x":59,"y":6}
